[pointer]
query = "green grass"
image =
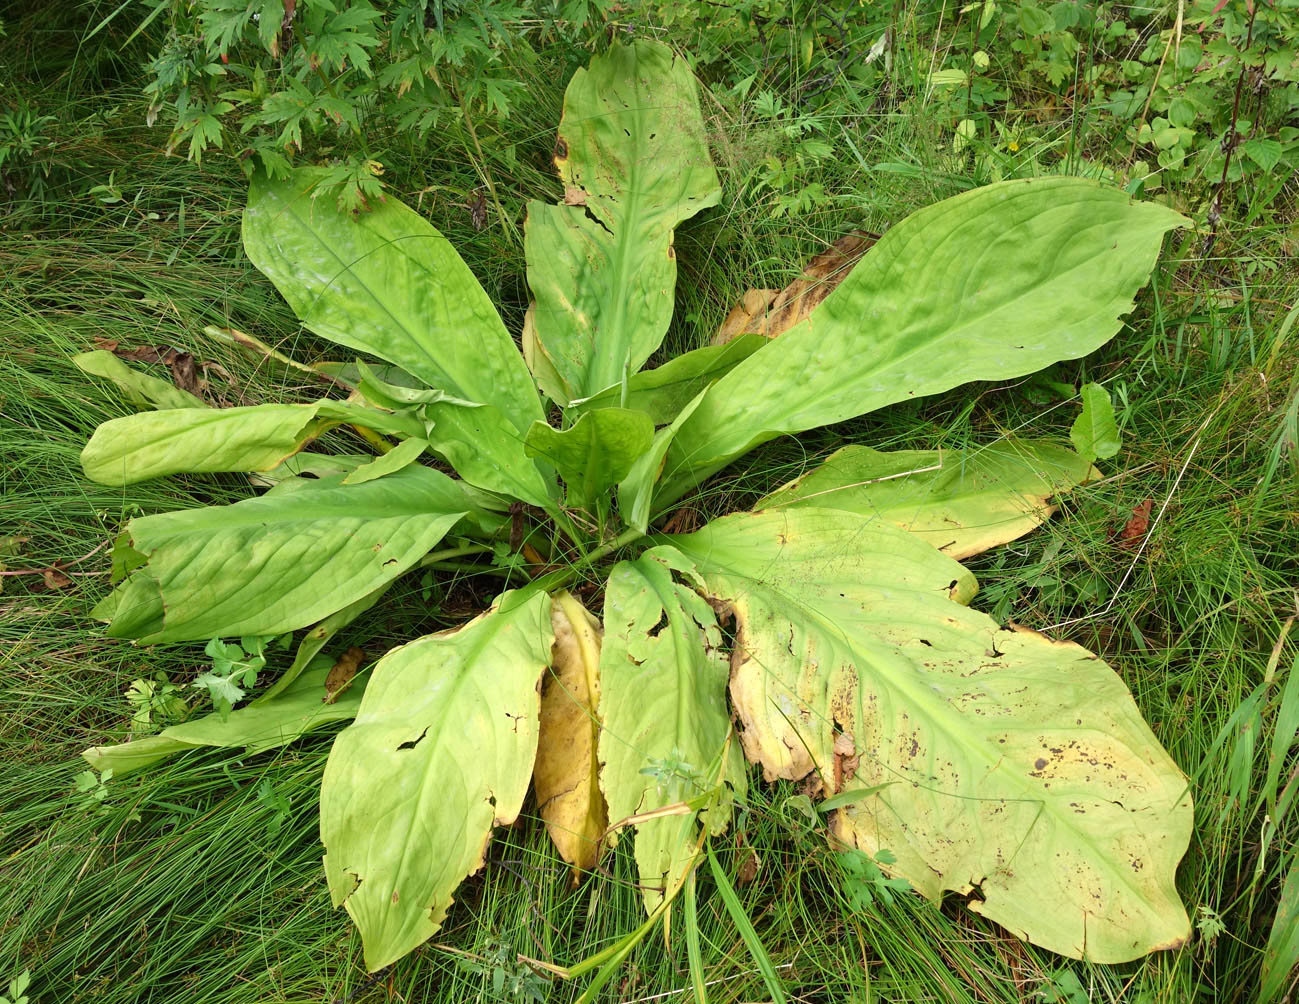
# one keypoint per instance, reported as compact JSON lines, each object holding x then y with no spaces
{"x":189,"y":885}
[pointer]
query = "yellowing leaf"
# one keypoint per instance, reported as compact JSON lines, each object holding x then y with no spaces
{"x":1002,"y":763}
{"x":963,"y":502}
{"x":666,"y":733}
{"x":565,"y":776}
{"x":440,"y":752}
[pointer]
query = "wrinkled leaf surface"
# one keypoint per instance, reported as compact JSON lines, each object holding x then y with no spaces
{"x":1013,"y":766}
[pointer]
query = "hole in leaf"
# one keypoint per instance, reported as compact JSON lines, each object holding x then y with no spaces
{"x":410,"y":744}
{"x":662,"y":623}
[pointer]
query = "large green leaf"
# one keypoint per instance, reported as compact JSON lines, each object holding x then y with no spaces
{"x":635,"y":163}
{"x":386,"y":282}
{"x":664,"y":391}
{"x":595,"y":452}
{"x":135,"y":448}
{"x":440,"y":752}
{"x":279,"y":562}
{"x":1008,"y":766}
{"x":258,"y":726}
{"x":487,"y":451}
{"x":960,"y":501}
{"x":989,"y":285}
{"x":664,"y":724}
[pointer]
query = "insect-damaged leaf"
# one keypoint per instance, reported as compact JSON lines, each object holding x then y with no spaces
{"x":666,"y":732}
{"x":991,"y":284}
{"x":595,"y":452}
{"x":279,"y":562}
{"x":770,"y":312}
{"x":960,"y":501}
{"x":258,"y":726}
{"x":386,"y":282}
{"x":568,"y":791}
{"x":1021,"y":767}
{"x":632,"y":155}
{"x":441,"y":751}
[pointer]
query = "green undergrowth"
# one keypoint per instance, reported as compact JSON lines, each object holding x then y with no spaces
{"x":201,"y":881}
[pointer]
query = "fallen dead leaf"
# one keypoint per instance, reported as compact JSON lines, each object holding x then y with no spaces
{"x":565,"y":779}
{"x":846,"y":760}
{"x":54,"y":579}
{"x":750,"y":863}
{"x":184,"y":372}
{"x":770,"y":312}
{"x":1136,"y":526}
{"x":478,"y":211}
{"x":341,"y":674}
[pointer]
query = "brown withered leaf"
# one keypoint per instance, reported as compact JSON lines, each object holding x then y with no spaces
{"x":478,"y":211}
{"x":846,"y":759}
{"x":184,"y":372}
{"x":574,"y":196}
{"x":54,"y":579}
{"x":341,"y":674}
{"x":565,"y":776}
{"x":1136,"y":526}
{"x":769,"y":312}
{"x":749,"y":865}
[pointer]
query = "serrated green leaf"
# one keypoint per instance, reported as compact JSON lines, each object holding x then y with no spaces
{"x":962,"y":502}
{"x":634,"y":161}
{"x":386,"y":282}
{"x":441,"y":751}
{"x":1264,"y":152}
{"x":1095,"y":434}
{"x":991,"y":284}
{"x":1022,"y":766}
{"x":279,"y":562}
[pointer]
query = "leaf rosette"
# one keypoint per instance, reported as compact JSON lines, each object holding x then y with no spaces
{"x":824,"y":637}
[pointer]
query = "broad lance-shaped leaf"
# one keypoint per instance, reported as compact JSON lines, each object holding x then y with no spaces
{"x":636,"y":492}
{"x":257,"y":727}
{"x":989,"y":285}
{"x":665,"y":736}
{"x":634,"y":161}
{"x":565,"y":776}
{"x":963,"y":502}
{"x":386,"y":282}
{"x":440,"y":752}
{"x":279,"y":562}
{"x":1011,"y":765}
{"x":664,"y":391}
{"x":595,"y":452}
{"x":135,"y":448}
{"x":139,"y":388}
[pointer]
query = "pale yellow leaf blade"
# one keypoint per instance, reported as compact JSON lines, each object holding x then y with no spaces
{"x":565,"y":776}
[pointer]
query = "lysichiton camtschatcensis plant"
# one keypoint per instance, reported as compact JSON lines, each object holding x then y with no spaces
{"x":824,"y":636}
